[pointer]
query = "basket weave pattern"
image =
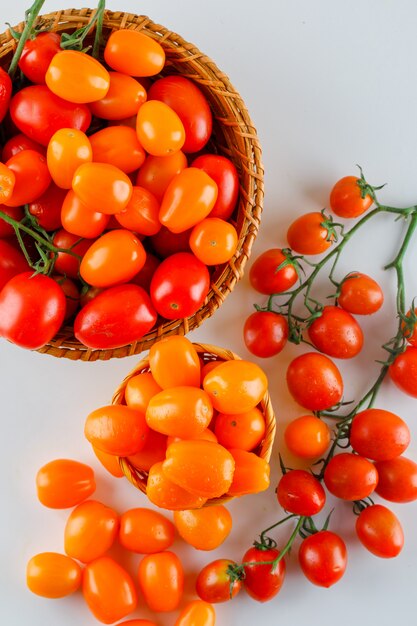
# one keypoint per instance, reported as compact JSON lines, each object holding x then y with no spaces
{"x":234,"y":136}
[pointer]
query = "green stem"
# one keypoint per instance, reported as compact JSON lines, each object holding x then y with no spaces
{"x":30,"y":17}
{"x":282,"y":553}
{"x":281,"y":521}
{"x":99,"y":28}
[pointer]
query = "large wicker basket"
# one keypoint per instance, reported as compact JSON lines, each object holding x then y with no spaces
{"x":234,"y":136}
{"x":207,"y":353}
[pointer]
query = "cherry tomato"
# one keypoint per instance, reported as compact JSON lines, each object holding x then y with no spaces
{"x":350,"y":476}
{"x":27,"y":320}
{"x":38,"y":113}
{"x":323,"y":558}
{"x":64,"y":483}
{"x":37,"y":54}
{"x":195,"y":613}
{"x":122,"y":100}
{"x":145,"y":531}
{"x":144,"y":277}
{"x":67,"y":150}
{"x":235,"y":386}
{"x":66,"y":263}
{"x":139,"y":390}
{"x":113,"y":258}
{"x":265,"y":333}
{"x":204,"y":529}
{"x":213,"y":241}
{"x":110,"y":462}
{"x":179,"y":286}
{"x":53,"y":575}
{"x":90,"y":531}
{"x":307,"y":437}
{"x":72,"y":294}
{"x":102,"y":186}
{"x":225,"y":175}
{"x":134,"y":53}
{"x":251,"y":473}
{"x":189,"y":198}
{"x":379,"y":435}
{"x":157,"y":172}
{"x":336,"y":333}
{"x":5,"y":93}
{"x":189,"y":103}
{"x":77,"y":77}
{"x":15,"y":212}
{"x":308,"y":234}
{"x":141,"y":213}
{"x":77,"y":218}
{"x":181,"y":411}
{"x":299,"y":492}
{"x":397,"y":479}
{"x":17,"y":143}
{"x":380,"y":531}
{"x":347,"y":198}
{"x":242,"y":430}
{"x":213,"y":583}
{"x":108,"y":590}
{"x":160,"y":130}
{"x":118,"y":146}
{"x":266,"y":278}
{"x":12,"y":262}
{"x":103,"y":324}
{"x":164,"y":493}
{"x":152,"y":452}
{"x":32,"y":177}
{"x":314,"y":381}
{"x":47,"y":208}
{"x":7,"y":183}
{"x":403,"y":371}
{"x":161,"y":580}
{"x":165,"y":243}
{"x":360,"y":294}
{"x":116,"y":429}
{"x":263,"y":581}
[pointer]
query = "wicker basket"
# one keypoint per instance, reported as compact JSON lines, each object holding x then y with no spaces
{"x":234,"y":136}
{"x":207,"y":353}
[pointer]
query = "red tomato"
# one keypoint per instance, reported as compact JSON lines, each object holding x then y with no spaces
{"x":53,"y":575}
{"x":72,"y":294}
{"x":47,"y":208}
{"x":102,"y":186}
{"x":379,"y":435}
{"x":123,"y":99}
{"x":67,"y":150}
{"x":360,"y":294}
{"x":26,"y":318}
{"x":64,"y":483}
{"x":12,"y":262}
{"x":90,"y":531}
{"x":66,"y":263}
{"x":157,"y":172}
{"x":134,"y":53}
{"x":17,"y":143}
{"x":5,"y":93}
{"x":299,"y":492}
{"x":165,"y":243}
{"x":15,"y":212}
{"x":160,"y":130}
{"x":225,"y":175}
{"x":314,"y":381}
{"x":119,"y":146}
{"x":32,"y":177}
{"x":195,"y":613}
{"x":144,"y":277}
{"x":37,"y":54}
{"x":179,"y":286}
{"x":105,"y":323}
{"x":7,"y":183}
{"x":397,"y":479}
{"x":141,"y":213}
{"x":403,"y":371}
{"x":323,"y":558}
{"x":336,"y":333}
{"x":161,"y":580}
{"x":265,"y":277}
{"x":189,"y":103}
{"x":309,"y":235}
{"x":350,"y":476}
{"x":265,"y":333}
{"x":263,"y":581}
{"x":77,"y":77}
{"x":213,"y":583}
{"x":347,"y":198}
{"x":380,"y":531}
{"x":79,"y":219}
{"x":38,"y":113}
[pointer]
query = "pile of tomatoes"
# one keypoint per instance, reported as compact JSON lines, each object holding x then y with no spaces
{"x":112,"y":212}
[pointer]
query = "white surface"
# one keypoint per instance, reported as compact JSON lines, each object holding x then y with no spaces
{"x":328,"y":84}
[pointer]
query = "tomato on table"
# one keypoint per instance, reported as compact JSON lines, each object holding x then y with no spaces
{"x":204,"y":529}
{"x":64,"y":483}
{"x":360,"y":294}
{"x":323,"y":558}
{"x":263,"y":580}
{"x":379,"y":435}
{"x":90,"y":531}
{"x":161,"y":580}
{"x":299,"y":492}
{"x":397,"y":479}
{"x":53,"y":575}
{"x":310,"y":234}
{"x":314,"y":381}
{"x":307,"y":437}
{"x":403,"y":371}
{"x":265,"y":333}
{"x":145,"y":531}
{"x":336,"y":333}
{"x":380,"y":531}
{"x":213,"y":583}
{"x":266,"y":278}
{"x":350,"y":476}
{"x":195,"y":613}
{"x":347,"y":199}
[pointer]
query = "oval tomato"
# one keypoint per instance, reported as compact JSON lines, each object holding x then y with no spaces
{"x":397,"y":479}
{"x":161,"y":580}
{"x":5,"y":93}
{"x":116,"y":429}
{"x":32,"y":177}
{"x":53,"y":575}
{"x":166,"y":494}
{"x":17,"y":143}
{"x":12,"y":262}
{"x":118,"y":146}
{"x":213,"y":583}
{"x":265,"y":333}
{"x":160,"y":130}
{"x":134,"y":53}
{"x":145,"y":531}
{"x":90,"y":531}
{"x":195,"y":613}
{"x":235,"y":386}
{"x":157,"y":172}
{"x":37,"y":54}
{"x":139,"y":390}
{"x":77,"y":218}
{"x":251,"y":473}
{"x":77,"y":77}
{"x":179,"y":350}
{"x":350,"y":476}
{"x":263,"y":581}
{"x":380,"y":531}
{"x":67,"y":150}
{"x":347,"y":198}
{"x":314,"y":381}
{"x":47,"y":208}
{"x":68,"y":263}
{"x":266,"y":278}
{"x":336,"y":333}
{"x":307,"y":437}
{"x":204,"y":529}
{"x":360,"y":294}
{"x":379,"y":435}
{"x":323,"y":558}
{"x":309,"y":234}
{"x":141,"y":213}
{"x":64,"y":483}
{"x":225,"y":175}
{"x":299,"y":492}
{"x":180,"y":411}
{"x":102,"y":186}
{"x":403,"y":371}
{"x":123,"y":99}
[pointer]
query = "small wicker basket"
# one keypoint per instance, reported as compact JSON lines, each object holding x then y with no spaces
{"x":206,"y":352}
{"x":234,"y":136}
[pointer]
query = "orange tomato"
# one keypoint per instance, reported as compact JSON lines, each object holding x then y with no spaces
{"x":204,"y":529}
{"x":160,"y":130}
{"x":206,"y":435}
{"x":32,"y":177}
{"x":179,"y":350}
{"x":141,"y":213}
{"x":161,"y":580}
{"x":307,"y":437}
{"x":145,"y":531}
{"x":102,"y":186}
{"x":201,"y":467}
{"x":152,"y":452}
{"x":53,"y":575}
{"x":118,"y":146}
{"x":77,"y":77}
{"x":251,"y":473}
{"x":196,"y":613}
{"x":77,"y":218}
{"x":7,"y":182}
{"x":189,"y":198}
{"x":242,"y":430}
{"x":64,"y":483}
{"x":139,"y":390}
{"x":164,"y":493}
{"x":123,"y":99}
{"x":109,"y":461}
{"x":90,"y":531}
{"x":112,"y":259}
{"x":208,"y":366}
{"x":116,"y":429}
{"x":308,"y":235}
{"x":134,"y":53}
{"x":67,"y":149}
{"x":213,"y":241}
{"x":180,"y":411}
{"x":108,"y":590}
{"x":157,"y":172}
{"x":235,"y":386}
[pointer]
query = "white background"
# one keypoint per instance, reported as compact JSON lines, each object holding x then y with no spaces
{"x":329,"y":84}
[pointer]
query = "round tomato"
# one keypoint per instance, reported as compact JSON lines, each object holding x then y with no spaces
{"x":139,"y":390}
{"x":213,"y":583}
{"x":204,"y":529}
{"x":336,"y":333}
{"x":241,"y":430}
{"x":160,"y":130}
{"x":68,"y":263}
{"x":350,"y":476}
{"x":12,"y":262}
{"x":27,"y":318}
{"x":141,"y":213}
{"x":314,"y":381}
{"x":179,"y":350}
{"x":266,"y":278}
{"x":64,"y":483}
{"x":323,"y":558}
{"x":123,"y":99}
{"x":397,"y":479}
{"x":118,"y":146}
{"x":47,"y":208}
{"x":32,"y":177}
{"x":37,"y":54}
{"x":67,"y":150}
{"x":134,"y":53}
{"x":116,"y":429}
{"x":16,"y":213}
{"x":77,"y":77}
{"x":265,"y":333}
{"x":403,"y":371}
{"x":195,"y":613}
{"x":90,"y":531}
{"x":380,"y":531}
{"x":78,"y":219}
{"x":102,"y":186}
{"x":165,"y":243}
{"x":179,"y":286}
{"x":157,"y":172}
{"x":17,"y":143}
{"x":166,"y":494}
{"x":347,"y":198}
{"x":299,"y":492}
{"x":145,"y":531}
{"x":307,"y":437}
{"x":251,"y":473}
{"x":262,"y":580}
{"x":53,"y":575}
{"x":236,"y":386}
{"x":309,"y":234}
{"x":5,"y":93}
{"x":379,"y":435}
{"x":213,"y":241}
{"x":225,"y":175}
{"x":180,"y":411}
{"x":360,"y":294}
{"x":161,"y":580}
